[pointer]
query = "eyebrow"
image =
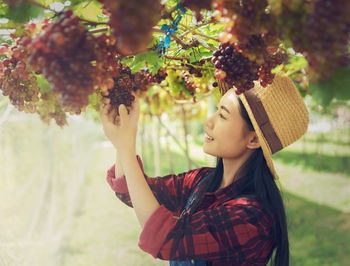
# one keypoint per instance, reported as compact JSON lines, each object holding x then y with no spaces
{"x":223,"y":107}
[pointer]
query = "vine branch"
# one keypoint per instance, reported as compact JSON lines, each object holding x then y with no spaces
{"x":92,"y":23}
{"x":97,"y":30}
{"x":195,"y":27}
{"x":177,"y":39}
{"x":199,"y":34}
{"x":177,"y":57}
{"x":34,"y":3}
{"x":181,"y":102}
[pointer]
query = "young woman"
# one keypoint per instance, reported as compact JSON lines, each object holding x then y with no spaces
{"x":229,"y":215}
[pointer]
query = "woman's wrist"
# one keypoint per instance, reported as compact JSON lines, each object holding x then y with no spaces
{"x":118,"y":165}
{"x":127,"y":149}
{"x":127,"y":153}
{"x":124,"y":144}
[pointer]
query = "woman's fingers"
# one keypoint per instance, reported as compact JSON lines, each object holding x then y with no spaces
{"x":104,"y":110}
{"x":105,"y":101}
{"x":110,"y":113}
{"x":136,"y":104}
{"x":117,"y":120}
{"x":123,"y":112}
{"x":107,"y":111}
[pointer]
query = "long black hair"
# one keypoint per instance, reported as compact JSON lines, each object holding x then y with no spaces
{"x":256,"y":179}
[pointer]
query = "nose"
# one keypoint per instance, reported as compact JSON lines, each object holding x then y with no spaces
{"x":209,"y":123}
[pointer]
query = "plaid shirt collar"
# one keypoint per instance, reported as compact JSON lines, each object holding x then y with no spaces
{"x":226,"y":193}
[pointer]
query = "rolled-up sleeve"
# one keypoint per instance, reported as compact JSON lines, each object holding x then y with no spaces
{"x":157,"y":227}
{"x":237,"y":231}
{"x":170,"y":190}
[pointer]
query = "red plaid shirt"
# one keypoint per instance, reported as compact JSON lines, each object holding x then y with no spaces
{"x":223,"y":230}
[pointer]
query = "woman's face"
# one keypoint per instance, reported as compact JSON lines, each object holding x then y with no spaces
{"x":227,"y":134}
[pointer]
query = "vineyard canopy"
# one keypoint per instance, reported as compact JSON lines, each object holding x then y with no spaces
{"x":58,"y":57}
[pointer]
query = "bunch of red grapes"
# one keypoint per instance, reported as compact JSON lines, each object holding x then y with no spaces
{"x":265,"y":71}
{"x":249,"y":50}
{"x":194,"y":68}
{"x":106,"y":62}
{"x":51,"y":108}
{"x":132,"y":22}
{"x":146,"y":74}
{"x":17,"y":80}
{"x":76,"y":63}
{"x":318,"y":29}
{"x":121,"y":93}
{"x":190,"y":85}
{"x":128,"y":84}
{"x":63,"y":53}
{"x":234,"y":68}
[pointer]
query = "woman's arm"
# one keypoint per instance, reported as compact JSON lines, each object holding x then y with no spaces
{"x":171,"y":190}
{"x":121,"y":131}
{"x":142,"y":198}
{"x":118,"y":166}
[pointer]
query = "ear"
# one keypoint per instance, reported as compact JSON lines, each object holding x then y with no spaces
{"x":253,"y":141}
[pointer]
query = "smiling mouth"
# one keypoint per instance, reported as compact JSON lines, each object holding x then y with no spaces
{"x":208,"y":137}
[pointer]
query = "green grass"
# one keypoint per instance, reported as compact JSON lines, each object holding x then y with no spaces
{"x":319,"y":235}
{"x":315,"y":161}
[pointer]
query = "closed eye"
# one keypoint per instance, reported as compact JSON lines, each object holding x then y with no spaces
{"x":221,"y":116}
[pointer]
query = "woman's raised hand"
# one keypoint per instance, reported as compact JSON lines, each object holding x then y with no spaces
{"x":121,"y":129}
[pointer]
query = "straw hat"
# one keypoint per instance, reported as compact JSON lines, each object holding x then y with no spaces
{"x":278,"y":114}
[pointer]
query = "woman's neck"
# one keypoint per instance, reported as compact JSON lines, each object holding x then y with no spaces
{"x":230,"y":167}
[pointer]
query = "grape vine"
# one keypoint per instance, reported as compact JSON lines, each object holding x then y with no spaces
{"x":56,"y":66}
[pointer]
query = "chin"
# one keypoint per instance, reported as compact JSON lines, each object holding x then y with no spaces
{"x":207,"y":151}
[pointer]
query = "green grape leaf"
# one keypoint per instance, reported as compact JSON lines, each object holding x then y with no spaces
{"x":277,"y":69}
{"x":183,"y":53}
{"x":78,"y":2}
{"x":19,"y":31}
{"x":301,"y":90}
{"x":296,"y":63}
{"x":139,"y":62}
{"x":94,"y":99}
{"x":341,"y":83}
{"x":194,"y":57}
{"x":23,"y":12}
{"x":152,"y":90}
{"x":320,"y":93}
{"x":183,"y":88}
{"x":10,"y":24}
{"x":90,"y":10}
{"x":336,"y":87}
{"x":200,"y":53}
{"x":43,"y":84}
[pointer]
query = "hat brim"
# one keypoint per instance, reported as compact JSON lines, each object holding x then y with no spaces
{"x":263,"y":143}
